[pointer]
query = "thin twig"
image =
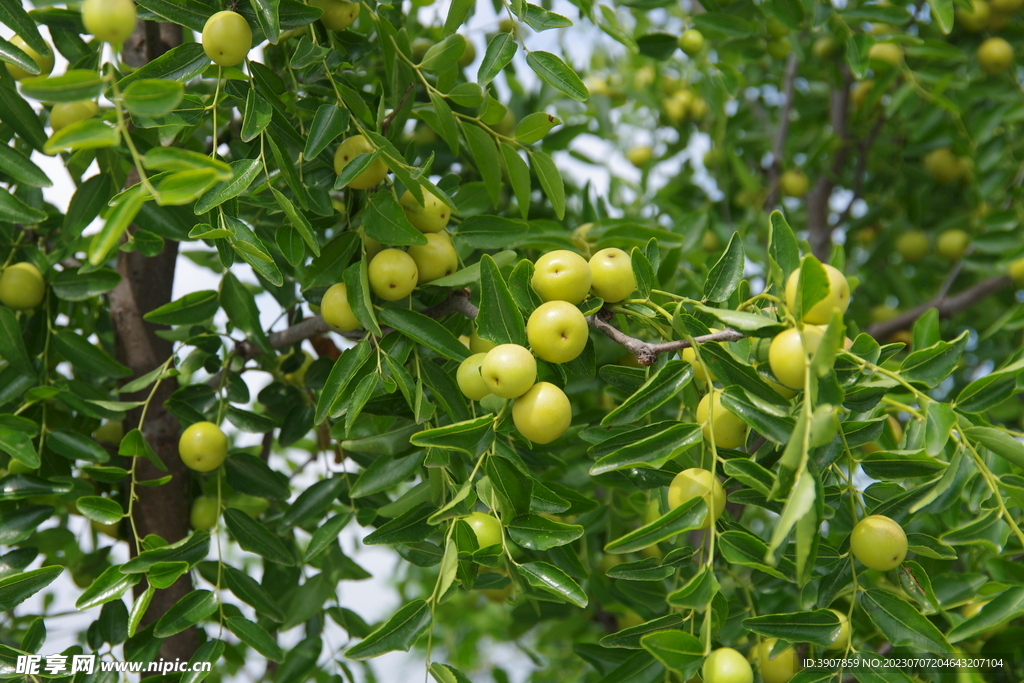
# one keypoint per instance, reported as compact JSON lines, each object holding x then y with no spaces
{"x":646,"y":352}
{"x":819,"y":231}
{"x":862,"y":163}
{"x":779,"y":145}
{"x":386,"y":123}
{"x":946,"y":305}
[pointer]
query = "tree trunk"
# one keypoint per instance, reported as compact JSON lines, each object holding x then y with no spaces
{"x":146,"y":284}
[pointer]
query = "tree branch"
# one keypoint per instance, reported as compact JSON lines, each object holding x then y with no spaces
{"x":779,"y":144}
{"x":946,"y":305}
{"x":820,"y":233}
{"x":858,"y":174}
{"x":389,"y":119}
{"x":646,"y":352}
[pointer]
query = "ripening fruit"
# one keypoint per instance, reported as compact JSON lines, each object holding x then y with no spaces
{"x":639,"y":155}
{"x":338,"y":15}
{"x":543,"y":413}
{"x":112,"y":21}
{"x":944,"y":166}
{"x":912,"y":245}
{"x":779,"y":48}
{"x":336,"y":310}
{"x":393,"y":274}
{"x":21,"y":286}
{"x":45,"y":64}
{"x":557,"y":331}
{"x":205,"y":512}
{"x":698,"y":108}
{"x":561,"y":275}
{"x":253,"y":506}
{"x":859,"y":93}
{"x":611,"y":271}
{"x":775,"y":27}
{"x":479,"y":345}
{"x":838,"y":298}
{"x":726,"y":665}
{"x":64,"y":114}
{"x":227,"y":38}
{"x":691,"y":42}
{"x":824,"y":47}
{"x":509,"y":370}
{"x":468,"y":55}
{"x":486,"y":528}
{"x":470,"y":381}
{"x":729,"y":431}
{"x":18,"y":467}
{"x":350,"y":149}
{"x":435,"y":259}
{"x":699,"y":371}
{"x":203,"y":447}
{"x":1016,"y":272}
{"x":794,"y":184}
{"x":976,"y":20}
{"x":886,"y":53}
{"x":843,"y":639}
{"x":110,"y":432}
{"x":1007,"y":7}
{"x":788,"y":353}
{"x":778,"y":670}
{"x":952,"y":244}
{"x":677,"y":106}
{"x":694,"y":482}
{"x":430,"y":218}
{"x":879,"y":543}
{"x":995,"y":56}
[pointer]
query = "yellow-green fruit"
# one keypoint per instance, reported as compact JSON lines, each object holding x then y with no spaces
{"x":691,"y":42}
{"x":112,"y":21}
{"x":859,"y":93}
{"x":775,"y":27}
{"x":944,"y":166}
{"x":788,"y":352}
{"x":371,"y":246}
{"x":479,"y":345}
{"x":794,"y":184}
{"x":203,"y":447}
{"x":336,"y":310}
{"x":824,"y":47}
{"x":250,"y":505}
{"x":677,"y":106}
{"x":393,"y":274}
{"x":205,"y":512}
{"x":726,"y":665}
{"x":971,"y":609}
{"x":778,"y":670}
{"x":710,"y":241}
{"x":471,"y":382}
{"x":338,"y":15}
{"x":420,"y":46}
{"x":227,"y":38}
{"x":611,"y":273}
{"x":975,"y":20}
{"x":64,"y":114}
{"x":881,"y":29}
{"x":843,"y":639}
{"x":879,"y":543}
{"x":1007,"y":7}
{"x":952,"y":244}
{"x":912,"y":246}
{"x":486,"y":528}
{"x":727,"y":429}
{"x":995,"y":56}
{"x":639,"y":155}
{"x":433,"y":217}
{"x":45,"y":64}
{"x":629,"y":619}
{"x":562,"y":275}
{"x":468,"y":55}
{"x":110,"y":433}
{"x":698,"y":483}
{"x":881,"y":313}
{"x":350,"y":149}
{"x":297,"y":378}
{"x":21,"y":286}
{"x":18,"y":467}
{"x":543,"y":413}
{"x":557,"y":331}
{"x":886,"y":53}
{"x":1016,"y":272}
{"x":700,"y":371}
{"x":509,"y":370}
{"x":779,"y":48}
{"x":838,"y":298}
{"x":436,"y":258}
{"x":698,"y":108}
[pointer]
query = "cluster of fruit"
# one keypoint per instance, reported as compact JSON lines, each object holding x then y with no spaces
{"x":557,"y":332}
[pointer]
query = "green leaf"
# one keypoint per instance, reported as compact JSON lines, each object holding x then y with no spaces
{"x":901,"y":623}
{"x":500,"y":51}
{"x":314,"y":501}
{"x":746,"y":550}
{"x":519,"y":176}
{"x":255,"y":637}
{"x":12,"y":346}
{"x":326,"y":534}
{"x":256,"y":117}
{"x":783,"y":247}
{"x":19,"y":115}
{"x":385,"y":473}
{"x":247,"y":473}
{"x":85,"y":356}
{"x":629,"y":638}
{"x":987,"y":392}
{"x":18,"y":588}
{"x":556,"y":73}
{"x":270,"y":22}
{"x":344,"y":370}
{"x":385,"y":221}
{"x":12,"y":54}
{"x":329,"y":122}
{"x":447,"y":126}
{"x":533,"y":127}
{"x":540,"y":19}
{"x":932,"y":365}
{"x":727,"y":25}
{"x":471,"y":274}
{"x":189,"y":13}
{"x":191,"y":309}
{"x":118,"y":219}
{"x":658,"y":390}
{"x":510,"y":484}
{"x":534,"y":532}
{"x":87,"y":134}
{"x":188,"y":611}
{"x":942,"y":10}
{"x":241,"y":309}
{"x":249,"y":591}
{"x":13,"y":210}
{"x":499,"y":319}
{"x":245,"y":171}
{"x":175,"y":159}
{"x":485,"y":156}
{"x":152,"y":96}
{"x":191,"y":549}
{"x":426,"y":331}
{"x":72,"y":285}
{"x":210,"y":651}
{"x":75,"y":446}
{"x":442,"y":55}
{"x":138,"y":610}
{"x":20,"y":168}
{"x":298,"y":221}
{"x":134,"y":445}
{"x":649,"y":446}
{"x":820,"y":627}
{"x":110,"y":585}
{"x":999,"y":442}
{"x":550,"y":180}
{"x":690,"y":515}
{"x":13,"y":15}
{"x":725,"y":275}
{"x":71,"y":86}
{"x":458,"y":12}
{"x":163,"y":574}
{"x":812,"y":286}
{"x":254,"y":537}
{"x":677,"y":650}
{"x":398,"y":633}
{"x":463,"y":436}
{"x":697,"y":592}
{"x":551,"y":579}
{"x":643,"y":272}
{"x":895,"y":465}
{"x":857,"y":47}
{"x":1001,"y":608}
{"x":491,"y":232}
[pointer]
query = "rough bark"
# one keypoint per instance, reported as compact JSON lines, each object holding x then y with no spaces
{"x":146,"y":284}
